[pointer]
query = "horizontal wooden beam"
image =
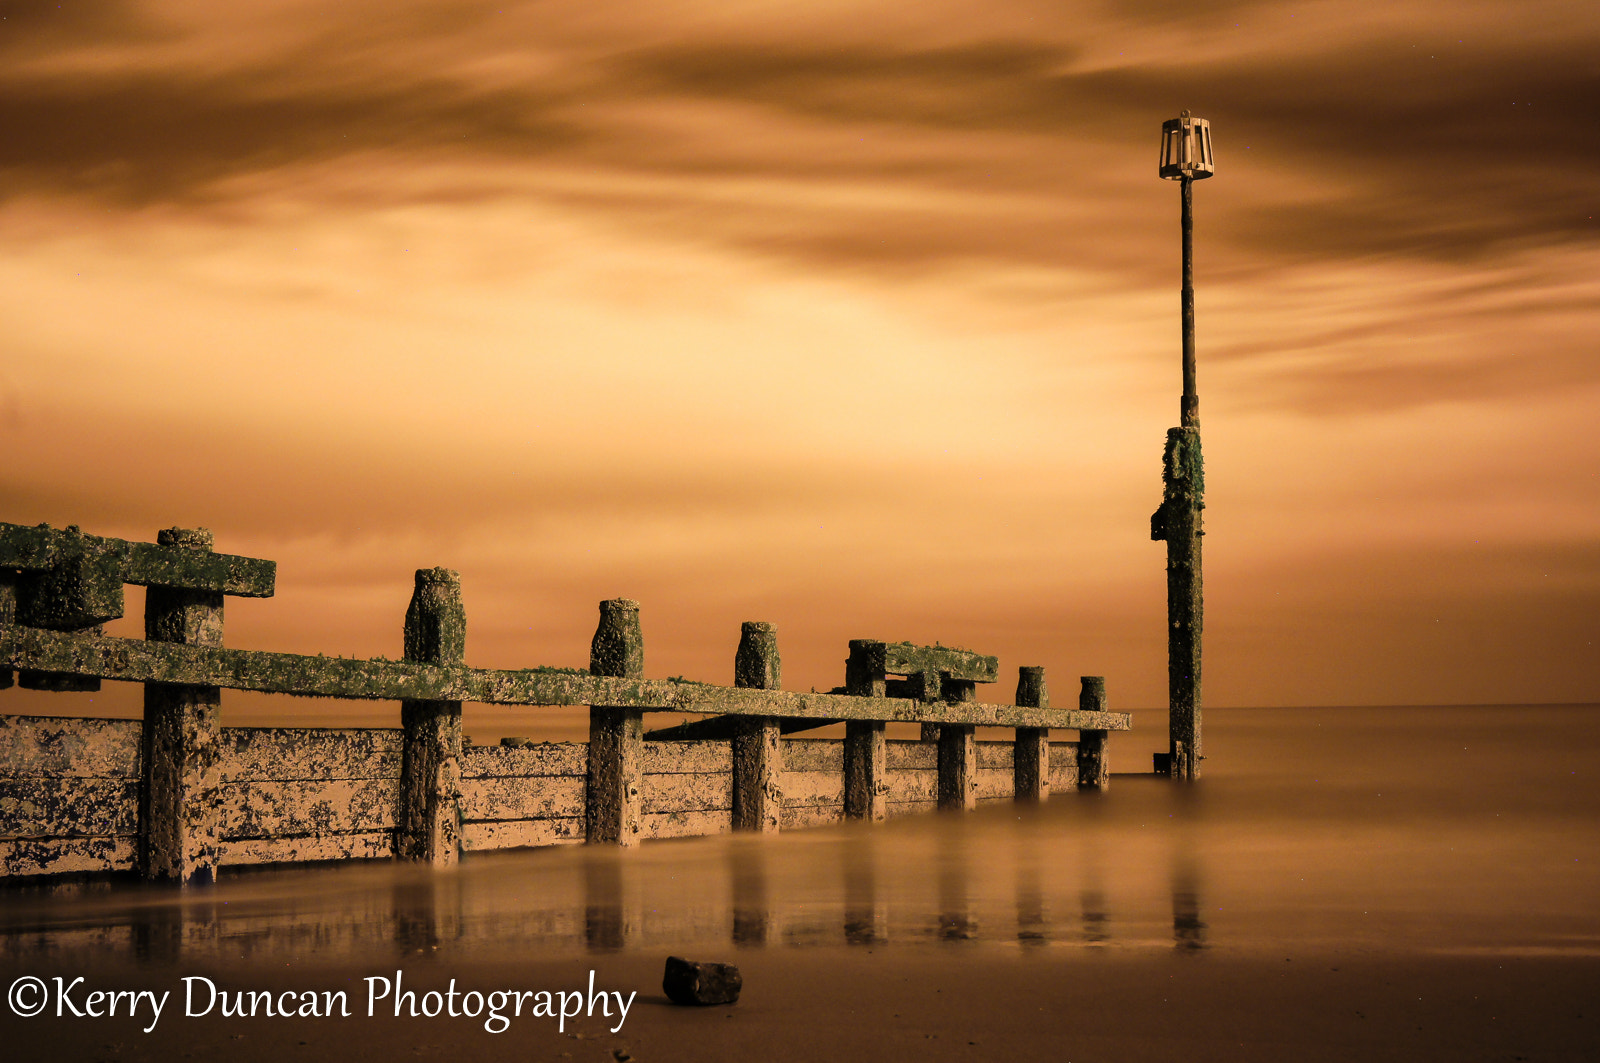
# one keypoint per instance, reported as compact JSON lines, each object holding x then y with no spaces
{"x":141,"y":661}
{"x":723,"y":728}
{"x":143,"y":564}
{"x":904,"y":658}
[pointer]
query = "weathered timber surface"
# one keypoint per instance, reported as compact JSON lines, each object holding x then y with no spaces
{"x":535,"y":797}
{"x":913,"y":808}
{"x":904,"y":658}
{"x":1180,"y":522}
{"x":545,"y":758}
{"x":521,"y":834}
{"x":61,"y":856}
{"x":813,"y":754}
{"x":136,"y":660}
{"x":812,"y":788}
{"x":694,"y":824}
{"x":143,"y":564}
{"x":680,"y":758}
{"x":995,"y":754}
{"x":429,"y":817}
{"x":52,"y":745}
{"x":904,"y":755}
{"x":51,"y":807}
{"x":794,"y":817}
{"x":1063,"y":767}
{"x":251,"y":754}
{"x":993,"y":784}
{"x":958,"y":766}
{"x":366,"y":845}
{"x":724,"y":728}
{"x":306,"y":806}
{"x":708,"y":792}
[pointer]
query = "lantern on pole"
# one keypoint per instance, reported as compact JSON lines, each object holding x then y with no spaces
{"x":1185,"y":158}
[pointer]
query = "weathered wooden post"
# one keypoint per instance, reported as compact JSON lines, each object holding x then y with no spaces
{"x":614,"y":805}
{"x":1030,"y":762}
{"x":1094,"y":772}
{"x":958,"y":752}
{"x":430,"y":772}
{"x":866,"y":776}
{"x":757,"y":754}
{"x":181,"y":778}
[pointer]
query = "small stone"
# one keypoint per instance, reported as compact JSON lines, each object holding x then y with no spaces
{"x":686,"y":982}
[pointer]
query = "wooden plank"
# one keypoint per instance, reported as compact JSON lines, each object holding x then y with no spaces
{"x":521,"y":833}
{"x":904,"y":754}
{"x":145,"y":564}
{"x":723,"y":728}
{"x":813,"y":754}
{"x":61,"y":746}
{"x":994,"y":783}
{"x":545,"y":758}
{"x":306,"y":806}
{"x":672,"y":758}
{"x":700,"y":792}
{"x":812,"y":787}
{"x":996,"y":755}
{"x":685,"y":824}
{"x":525,"y":797}
{"x":903,"y":658}
{"x":919,"y":785}
{"x":252,"y":754}
{"x":913,"y":808}
{"x":63,"y":856}
{"x":360,"y":845}
{"x":44,"y":807}
{"x":1063,"y":767}
{"x":795,"y":817}
{"x":136,"y":660}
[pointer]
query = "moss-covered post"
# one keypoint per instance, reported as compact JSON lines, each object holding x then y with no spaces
{"x":181,"y":777}
{"x":430,"y":772}
{"x":1030,"y":771}
{"x":1179,"y":523}
{"x":614,"y":806}
{"x":1094,"y":772}
{"x":866,"y":781}
{"x":757,"y":754}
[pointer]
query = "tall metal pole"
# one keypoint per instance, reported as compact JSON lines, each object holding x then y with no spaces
{"x":1185,"y":157}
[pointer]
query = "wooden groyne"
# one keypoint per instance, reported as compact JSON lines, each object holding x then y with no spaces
{"x":175,"y":796}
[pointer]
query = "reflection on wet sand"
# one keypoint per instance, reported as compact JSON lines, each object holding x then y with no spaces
{"x":954,"y":879}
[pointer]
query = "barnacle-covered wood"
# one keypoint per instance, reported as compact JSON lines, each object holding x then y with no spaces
{"x":282,"y":753}
{"x":958,"y":766}
{"x":53,"y":745}
{"x":533,"y":797}
{"x":143,"y":564}
{"x":669,"y":758}
{"x":366,"y":845}
{"x":429,"y":815}
{"x":61,"y":856}
{"x":688,"y":793}
{"x":684,"y":824}
{"x":139,"y":661}
{"x":542,"y":758}
{"x":1094,"y":770}
{"x":865,"y":782}
{"x":181,"y":748}
{"x":796,"y":816}
{"x":1180,"y":522}
{"x":520,"y":833}
{"x":307,"y":806}
{"x":44,"y":807}
{"x":755,"y":744}
{"x":613,"y":808}
{"x":904,"y":658}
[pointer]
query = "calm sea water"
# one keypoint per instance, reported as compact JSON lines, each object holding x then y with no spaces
{"x":1400,"y":830}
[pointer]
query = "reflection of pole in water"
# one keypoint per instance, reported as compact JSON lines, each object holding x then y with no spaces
{"x":1096,"y":920}
{"x":427,"y":911}
{"x":955,"y":910}
{"x":1031,"y":926}
{"x":1188,"y":931}
{"x":751,"y":912}
{"x":863,"y":915}
{"x":604,"y":928}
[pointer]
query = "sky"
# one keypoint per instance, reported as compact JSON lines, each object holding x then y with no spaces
{"x":857,"y":318}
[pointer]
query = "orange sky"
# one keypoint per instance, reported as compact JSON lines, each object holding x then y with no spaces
{"x":860,"y":318}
